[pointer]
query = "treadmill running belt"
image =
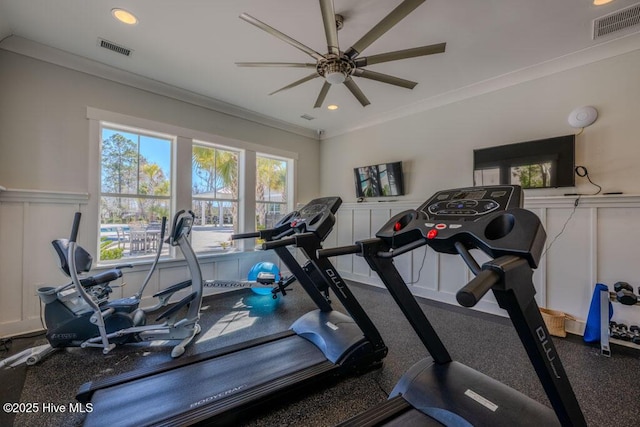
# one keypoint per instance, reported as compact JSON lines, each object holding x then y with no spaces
{"x":153,"y":399}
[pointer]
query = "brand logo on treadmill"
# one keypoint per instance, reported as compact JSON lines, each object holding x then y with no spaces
{"x":336,"y":280}
{"x":546,"y":346}
{"x":217,"y":396}
{"x":64,"y":336}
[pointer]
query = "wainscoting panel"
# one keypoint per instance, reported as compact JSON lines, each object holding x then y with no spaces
{"x":593,"y":241}
{"x":30,"y":220}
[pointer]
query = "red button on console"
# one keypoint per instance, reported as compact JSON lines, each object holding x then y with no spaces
{"x":432,"y":234}
{"x":441,"y":226}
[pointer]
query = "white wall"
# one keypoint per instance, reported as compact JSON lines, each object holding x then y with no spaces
{"x":436,"y":146}
{"x":45,"y":150}
{"x":43,"y":125}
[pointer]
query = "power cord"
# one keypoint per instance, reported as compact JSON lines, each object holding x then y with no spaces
{"x":421,"y":265}
{"x":575,"y":206}
{"x":582,"y":172}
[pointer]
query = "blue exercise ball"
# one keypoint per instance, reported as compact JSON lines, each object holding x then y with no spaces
{"x":263,"y":267}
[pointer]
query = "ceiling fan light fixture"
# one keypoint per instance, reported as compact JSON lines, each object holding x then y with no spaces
{"x":124,"y":16}
{"x":335,"y":77}
{"x":601,"y":2}
{"x":332,"y":107}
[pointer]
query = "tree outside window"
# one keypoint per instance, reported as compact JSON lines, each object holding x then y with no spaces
{"x":214,"y":197}
{"x":135,"y":192}
{"x":271,"y":191}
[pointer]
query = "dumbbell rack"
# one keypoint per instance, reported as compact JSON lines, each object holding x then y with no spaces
{"x":606,"y":297}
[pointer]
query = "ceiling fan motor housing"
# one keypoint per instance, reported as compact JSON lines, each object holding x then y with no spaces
{"x":334,"y":69}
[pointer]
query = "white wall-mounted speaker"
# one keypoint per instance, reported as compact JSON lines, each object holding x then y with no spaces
{"x":582,"y":117}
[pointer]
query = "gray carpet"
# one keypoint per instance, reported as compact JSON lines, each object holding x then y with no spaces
{"x":607,"y":388}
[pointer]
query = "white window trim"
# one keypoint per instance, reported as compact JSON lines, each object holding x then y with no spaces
{"x":181,"y":176}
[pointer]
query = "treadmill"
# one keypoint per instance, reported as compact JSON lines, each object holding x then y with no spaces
{"x":437,"y":390}
{"x":222,"y":386}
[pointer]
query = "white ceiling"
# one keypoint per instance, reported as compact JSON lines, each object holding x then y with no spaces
{"x":193,"y":45}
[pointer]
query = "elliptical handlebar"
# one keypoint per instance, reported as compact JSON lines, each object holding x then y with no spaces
{"x":163,"y":228}
{"x":175,"y":220}
{"x":74,"y":229}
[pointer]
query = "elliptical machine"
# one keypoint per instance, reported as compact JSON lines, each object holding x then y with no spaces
{"x":80,"y":314}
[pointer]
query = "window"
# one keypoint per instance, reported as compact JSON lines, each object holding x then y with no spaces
{"x":214,"y":197}
{"x":150,"y":169}
{"x":271,"y":190}
{"x":135,"y":192}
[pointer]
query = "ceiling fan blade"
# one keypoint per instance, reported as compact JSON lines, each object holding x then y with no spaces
{"x":297,"y":82}
{"x":396,"y":15}
{"x":400,"y":54}
{"x":275,"y":64}
{"x":330,"y":29}
{"x":322,"y":95}
{"x":355,"y":90}
{"x":385,"y":78}
{"x":285,"y":38}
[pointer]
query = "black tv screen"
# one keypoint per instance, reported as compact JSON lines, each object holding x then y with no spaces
{"x":379,"y":180}
{"x":544,"y":163}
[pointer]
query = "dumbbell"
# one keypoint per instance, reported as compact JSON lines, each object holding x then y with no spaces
{"x":624,"y":293}
{"x":616,"y":330}
{"x":634,"y":332}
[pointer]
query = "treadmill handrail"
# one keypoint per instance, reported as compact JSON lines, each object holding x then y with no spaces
{"x":473,"y":291}
{"x":340,"y":250}
{"x":279,"y":243}
{"x":245,"y":235}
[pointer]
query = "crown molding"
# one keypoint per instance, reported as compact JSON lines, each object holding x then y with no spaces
{"x":68,"y":60}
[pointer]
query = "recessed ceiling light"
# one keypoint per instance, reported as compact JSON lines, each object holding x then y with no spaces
{"x":124,"y":16}
{"x":332,"y":107}
{"x":601,"y":2}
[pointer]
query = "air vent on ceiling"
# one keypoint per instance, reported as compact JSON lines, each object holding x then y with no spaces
{"x":114,"y":47}
{"x":307,"y":117}
{"x":616,"y":21}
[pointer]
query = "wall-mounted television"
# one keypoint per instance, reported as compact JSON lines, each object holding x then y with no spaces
{"x":381,"y":180}
{"x":543,"y":163}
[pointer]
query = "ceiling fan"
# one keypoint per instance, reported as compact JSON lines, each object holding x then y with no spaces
{"x":338,"y":67}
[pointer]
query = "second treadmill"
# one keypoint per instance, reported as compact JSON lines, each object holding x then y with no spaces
{"x":221,"y":385}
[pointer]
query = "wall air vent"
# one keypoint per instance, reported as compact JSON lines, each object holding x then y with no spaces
{"x":616,"y":21}
{"x":114,"y":47}
{"x":307,"y":117}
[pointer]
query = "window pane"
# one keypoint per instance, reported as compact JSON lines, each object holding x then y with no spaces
{"x":214,"y":224}
{"x":271,"y":180}
{"x":215,"y":195}
{"x":268,"y":214}
{"x":130,"y":227}
{"x":271,"y":191}
{"x":133,"y":165}
{"x":215,"y":173}
{"x":119,"y":162}
{"x":154,"y":166}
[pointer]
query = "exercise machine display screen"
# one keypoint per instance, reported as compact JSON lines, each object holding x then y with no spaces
{"x":470,"y":203}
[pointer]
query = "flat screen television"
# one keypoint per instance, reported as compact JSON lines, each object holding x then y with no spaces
{"x":544,"y":163}
{"x":381,"y":180}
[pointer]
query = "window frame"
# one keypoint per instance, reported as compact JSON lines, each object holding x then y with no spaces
{"x":236,"y":200}
{"x":139,"y":132}
{"x":287,"y":205}
{"x":181,"y":174}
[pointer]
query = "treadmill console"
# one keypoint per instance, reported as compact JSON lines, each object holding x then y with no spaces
{"x":471,"y":203}
{"x":317,"y":216}
{"x":489,"y":218}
